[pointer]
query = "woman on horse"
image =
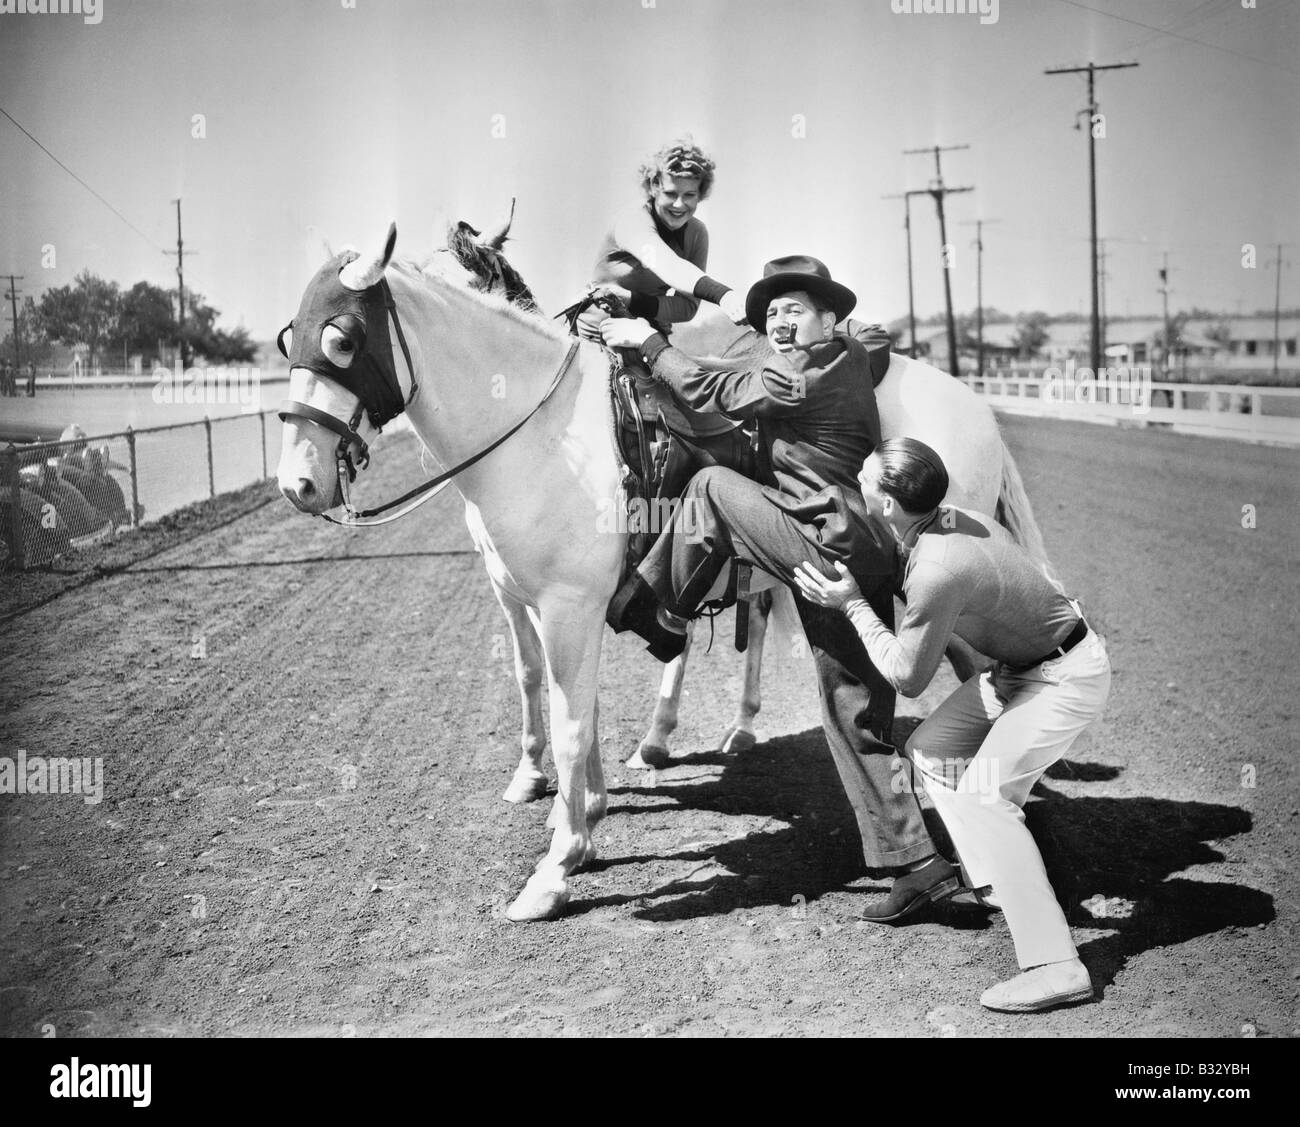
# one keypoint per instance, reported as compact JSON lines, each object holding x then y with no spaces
{"x":661,"y":246}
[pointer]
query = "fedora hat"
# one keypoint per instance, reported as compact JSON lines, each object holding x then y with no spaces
{"x":796,"y":272}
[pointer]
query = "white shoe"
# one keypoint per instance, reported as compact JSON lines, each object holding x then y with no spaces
{"x":1041,"y":988}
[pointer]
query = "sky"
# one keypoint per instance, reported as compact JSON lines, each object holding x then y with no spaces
{"x":342,"y":118}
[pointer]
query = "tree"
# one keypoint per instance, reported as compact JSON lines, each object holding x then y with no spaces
{"x":1221,"y":334}
{"x":205,"y":339}
{"x":36,"y":349}
{"x":84,"y":313}
{"x":1031,"y":334}
{"x":146,"y":318}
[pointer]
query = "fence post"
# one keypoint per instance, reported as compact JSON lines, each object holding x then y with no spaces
{"x":212,"y":481}
{"x":14,"y":481}
{"x":262,"y":419}
{"x":135,"y":479}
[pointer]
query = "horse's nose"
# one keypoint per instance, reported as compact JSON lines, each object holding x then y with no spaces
{"x":300,"y":493}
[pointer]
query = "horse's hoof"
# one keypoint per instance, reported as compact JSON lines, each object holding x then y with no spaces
{"x":538,"y":904}
{"x":736,"y":740}
{"x":588,"y":856}
{"x":525,"y":788}
{"x":648,"y":756}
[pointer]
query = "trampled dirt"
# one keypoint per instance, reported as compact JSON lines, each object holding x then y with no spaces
{"x":305,"y":733}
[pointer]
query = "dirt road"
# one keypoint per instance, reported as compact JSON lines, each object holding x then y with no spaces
{"x":305,"y":732}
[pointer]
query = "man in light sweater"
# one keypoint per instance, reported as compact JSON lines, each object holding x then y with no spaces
{"x":983,"y":749}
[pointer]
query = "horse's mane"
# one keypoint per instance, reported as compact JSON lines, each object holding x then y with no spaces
{"x":420,"y":273}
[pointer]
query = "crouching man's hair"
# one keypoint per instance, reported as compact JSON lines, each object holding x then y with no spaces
{"x":912,"y":474}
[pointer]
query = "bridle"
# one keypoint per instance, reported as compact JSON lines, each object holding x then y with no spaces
{"x":378,"y":392}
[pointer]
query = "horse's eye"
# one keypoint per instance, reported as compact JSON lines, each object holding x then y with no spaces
{"x":339,"y":348}
{"x":285,"y":341}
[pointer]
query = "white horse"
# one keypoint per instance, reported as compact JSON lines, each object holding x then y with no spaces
{"x":963,"y":431}
{"x":540,"y":498}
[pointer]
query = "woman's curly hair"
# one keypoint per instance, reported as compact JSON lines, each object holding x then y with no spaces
{"x":682,"y":157}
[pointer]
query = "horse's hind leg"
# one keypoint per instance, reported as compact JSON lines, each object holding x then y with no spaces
{"x":652,"y":751}
{"x":529,"y":781}
{"x":739,"y":736}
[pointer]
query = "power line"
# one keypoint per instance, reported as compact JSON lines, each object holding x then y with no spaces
{"x":1176,"y":35}
{"x":79,"y":180}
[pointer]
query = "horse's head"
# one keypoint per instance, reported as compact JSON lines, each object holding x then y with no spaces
{"x":343,"y":376}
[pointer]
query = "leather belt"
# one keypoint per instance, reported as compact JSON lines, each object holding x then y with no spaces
{"x":1072,"y":639}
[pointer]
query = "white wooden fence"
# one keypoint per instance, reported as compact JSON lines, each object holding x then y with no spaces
{"x":1255,"y":414}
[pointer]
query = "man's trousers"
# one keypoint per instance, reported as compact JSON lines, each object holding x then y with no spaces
{"x":981,"y":752}
{"x":722,"y":515}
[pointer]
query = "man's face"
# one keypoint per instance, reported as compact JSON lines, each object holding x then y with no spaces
{"x":798,"y":311}
{"x":676,"y":199}
{"x":878,"y":502}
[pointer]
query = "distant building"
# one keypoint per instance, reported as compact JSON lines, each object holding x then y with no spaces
{"x":1234,"y":346}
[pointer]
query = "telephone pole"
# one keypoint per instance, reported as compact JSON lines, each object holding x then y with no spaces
{"x":906,"y":197}
{"x":179,"y":252}
{"x":979,"y":292}
{"x":938,"y":191}
{"x":1164,"y":294}
{"x":13,"y":296}
{"x":1091,"y":70}
{"x":1277,"y":310}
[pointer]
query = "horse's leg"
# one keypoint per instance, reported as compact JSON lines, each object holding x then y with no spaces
{"x":652,"y":751}
{"x":740,"y":735}
{"x":571,"y":639}
{"x":529,"y":780}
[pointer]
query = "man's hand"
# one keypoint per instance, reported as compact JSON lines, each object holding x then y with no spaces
{"x":816,"y":588}
{"x":733,"y":305}
{"x":590,"y":321}
{"x":626,"y":332}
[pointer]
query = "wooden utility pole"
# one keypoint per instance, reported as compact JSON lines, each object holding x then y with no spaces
{"x":1277,"y":311}
{"x":979,"y":292}
{"x":1164,"y":294}
{"x":938,"y":191}
{"x":179,"y":252}
{"x":1091,"y":110}
{"x":906,"y":197}
{"x":13,"y":296}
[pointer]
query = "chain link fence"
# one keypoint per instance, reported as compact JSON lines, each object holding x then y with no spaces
{"x":58,"y":496}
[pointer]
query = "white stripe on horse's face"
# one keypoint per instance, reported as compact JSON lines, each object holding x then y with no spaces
{"x":308,"y":473}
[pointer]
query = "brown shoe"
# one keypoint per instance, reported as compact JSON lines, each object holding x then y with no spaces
{"x":914,"y":890}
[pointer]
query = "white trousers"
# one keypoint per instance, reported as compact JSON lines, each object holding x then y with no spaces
{"x":980,"y":754}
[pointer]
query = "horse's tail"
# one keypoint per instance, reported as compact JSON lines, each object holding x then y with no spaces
{"x":1016,"y":515}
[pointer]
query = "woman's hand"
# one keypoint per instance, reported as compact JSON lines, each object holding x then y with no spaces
{"x":610,"y":289}
{"x":733,"y":305}
{"x":816,"y":588}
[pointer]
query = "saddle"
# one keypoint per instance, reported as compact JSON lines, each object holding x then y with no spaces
{"x":661,"y":445}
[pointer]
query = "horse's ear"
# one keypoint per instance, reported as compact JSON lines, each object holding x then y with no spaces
{"x":495,"y":239}
{"x":367,"y":270}
{"x":318,"y":249}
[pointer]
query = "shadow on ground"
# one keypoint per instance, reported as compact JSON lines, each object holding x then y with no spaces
{"x":1116,"y":853}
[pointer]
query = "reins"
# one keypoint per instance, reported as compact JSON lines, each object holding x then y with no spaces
{"x":431,"y":488}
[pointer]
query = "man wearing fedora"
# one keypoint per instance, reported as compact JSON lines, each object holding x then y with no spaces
{"x":814,"y":408}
